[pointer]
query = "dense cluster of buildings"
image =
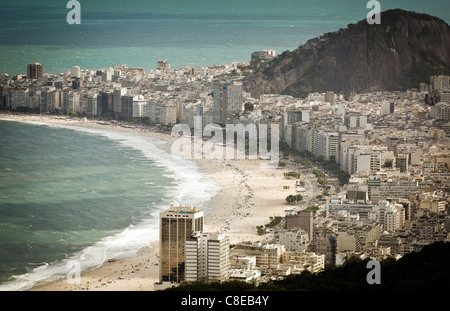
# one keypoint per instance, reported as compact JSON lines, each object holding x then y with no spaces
{"x":160,"y":96}
{"x":394,"y":146}
{"x":189,"y":254}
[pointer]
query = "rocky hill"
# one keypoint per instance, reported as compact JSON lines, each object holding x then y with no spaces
{"x":404,"y":50}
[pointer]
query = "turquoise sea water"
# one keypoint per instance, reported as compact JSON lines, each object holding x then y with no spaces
{"x":187,"y":32}
{"x":82,"y":194}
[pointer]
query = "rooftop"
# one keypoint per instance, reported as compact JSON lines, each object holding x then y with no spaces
{"x":183,"y":209}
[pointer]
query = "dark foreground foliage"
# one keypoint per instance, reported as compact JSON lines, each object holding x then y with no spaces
{"x":427,"y":270}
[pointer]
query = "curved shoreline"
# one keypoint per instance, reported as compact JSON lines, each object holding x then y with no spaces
{"x":248,"y":196}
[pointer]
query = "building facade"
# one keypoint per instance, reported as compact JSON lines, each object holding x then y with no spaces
{"x":177,"y":224}
{"x":227,"y":100}
{"x":207,"y":257}
{"x":35,"y":71}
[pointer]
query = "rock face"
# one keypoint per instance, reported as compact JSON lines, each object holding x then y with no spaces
{"x":404,"y":50}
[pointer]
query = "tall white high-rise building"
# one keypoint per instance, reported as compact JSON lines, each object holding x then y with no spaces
{"x":207,"y":257}
{"x":107,"y":74}
{"x":355,"y":158}
{"x":325,"y":144}
{"x":305,"y":116}
{"x":387,"y":107}
{"x":390,"y":215}
{"x":368,"y":161}
{"x":139,"y":106}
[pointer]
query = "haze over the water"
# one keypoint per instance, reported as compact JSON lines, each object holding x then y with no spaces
{"x":195,"y":33}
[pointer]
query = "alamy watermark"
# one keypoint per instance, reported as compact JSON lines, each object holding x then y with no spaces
{"x":374,"y":275}
{"x":374,"y":15}
{"x":73,"y":272}
{"x":74,"y":16}
{"x":234,"y":145}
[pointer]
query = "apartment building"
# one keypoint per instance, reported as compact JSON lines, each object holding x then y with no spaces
{"x":302,"y":260}
{"x":75,"y":72}
{"x":127,"y":106}
{"x":35,"y":71}
{"x":390,"y":215}
{"x":387,"y":107}
{"x":71,"y":100}
{"x":267,"y":255}
{"x":302,"y":220}
{"x":227,"y":100}
{"x":19,"y":98}
{"x":383,"y":188}
{"x":325,"y":242}
{"x":34,"y":100}
{"x":356,"y":158}
{"x":168,"y":113}
{"x":117,"y":99}
{"x":338,"y":204}
{"x":92,"y":109}
{"x":207,"y":257}
{"x":294,"y":240}
{"x":263,"y":55}
{"x":440,"y":82}
{"x":441,"y":111}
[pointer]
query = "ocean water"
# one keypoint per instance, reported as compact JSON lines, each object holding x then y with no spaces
{"x":83,"y":194}
{"x":185,"y":32}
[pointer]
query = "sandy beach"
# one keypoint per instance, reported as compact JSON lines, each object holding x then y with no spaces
{"x":248,"y":197}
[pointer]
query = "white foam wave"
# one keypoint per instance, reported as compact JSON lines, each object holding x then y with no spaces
{"x":190,"y":187}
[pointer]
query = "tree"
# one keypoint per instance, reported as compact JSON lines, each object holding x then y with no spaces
{"x":260,"y":230}
{"x":292,"y":174}
{"x":274,"y":221}
{"x":291,"y":199}
{"x":313,"y":208}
